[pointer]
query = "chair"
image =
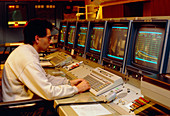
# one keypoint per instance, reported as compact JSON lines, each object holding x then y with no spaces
{"x":41,"y":108}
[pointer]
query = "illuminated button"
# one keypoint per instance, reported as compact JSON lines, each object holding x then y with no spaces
{"x":94,"y":59}
{"x":39,"y":6}
{"x":47,"y":6}
{"x":114,"y":66}
{"x":16,"y":25}
{"x":144,"y":100}
{"x":123,"y":102}
{"x":139,"y":102}
{"x":17,"y":6}
{"x":42,"y":6}
{"x":135,"y":105}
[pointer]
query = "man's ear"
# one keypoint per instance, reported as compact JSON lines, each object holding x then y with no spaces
{"x":37,"y":39}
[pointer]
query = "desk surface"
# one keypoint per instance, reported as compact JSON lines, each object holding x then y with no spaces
{"x":67,"y":110}
{"x":15,"y":44}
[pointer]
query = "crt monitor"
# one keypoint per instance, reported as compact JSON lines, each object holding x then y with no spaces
{"x":117,"y":42}
{"x":147,"y":47}
{"x":80,"y":39}
{"x":82,"y":33}
{"x":17,"y":15}
{"x":63,"y":32}
{"x":96,"y":39}
{"x":71,"y":34}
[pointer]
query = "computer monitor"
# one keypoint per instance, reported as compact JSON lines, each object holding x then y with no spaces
{"x":70,"y":38}
{"x":82,"y":36}
{"x":17,"y":15}
{"x":96,"y":39}
{"x":148,"y":46}
{"x":63,"y":33}
{"x":115,"y":43}
{"x":80,"y":41}
{"x":147,"y":50}
{"x":71,"y":34}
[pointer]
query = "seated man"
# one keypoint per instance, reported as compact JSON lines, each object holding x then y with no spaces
{"x":23,"y":76}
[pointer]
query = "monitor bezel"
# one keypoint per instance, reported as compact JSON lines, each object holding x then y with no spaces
{"x":71,"y":23}
{"x":93,"y":24}
{"x":7,"y":16}
{"x":81,"y":24}
{"x":122,"y":24}
{"x":59,"y":38}
{"x":142,"y":67}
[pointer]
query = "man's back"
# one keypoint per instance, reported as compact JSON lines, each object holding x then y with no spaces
{"x":12,"y":86}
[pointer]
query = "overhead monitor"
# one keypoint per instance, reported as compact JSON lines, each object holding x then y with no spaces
{"x":117,"y":42}
{"x":96,"y":39}
{"x":46,"y":11}
{"x":17,"y":15}
{"x":148,"y":47}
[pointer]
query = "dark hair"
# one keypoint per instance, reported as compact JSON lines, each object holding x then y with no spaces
{"x":35,"y":27}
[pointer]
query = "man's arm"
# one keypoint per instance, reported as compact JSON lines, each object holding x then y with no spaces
{"x":34,"y":77}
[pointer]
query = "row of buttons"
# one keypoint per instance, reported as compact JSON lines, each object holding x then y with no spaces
{"x":138,"y":103}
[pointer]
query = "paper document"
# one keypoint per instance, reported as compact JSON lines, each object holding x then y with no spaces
{"x":90,"y":110}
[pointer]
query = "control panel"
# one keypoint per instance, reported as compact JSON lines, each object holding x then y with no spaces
{"x":58,"y":58}
{"x":102,"y":81}
{"x":125,"y":97}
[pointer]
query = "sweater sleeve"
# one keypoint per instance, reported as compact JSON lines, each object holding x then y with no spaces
{"x":35,"y":78}
{"x":57,"y":80}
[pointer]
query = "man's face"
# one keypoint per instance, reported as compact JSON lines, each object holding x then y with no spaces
{"x":44,"y":42}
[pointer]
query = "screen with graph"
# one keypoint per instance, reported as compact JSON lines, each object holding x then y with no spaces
{"x":148,"y":46}
{"x":82,"y":36}
{"x":63,"y":33}
{"x":117,"y":42}
{"x":71,"y":34}
{"x":96,"y":38}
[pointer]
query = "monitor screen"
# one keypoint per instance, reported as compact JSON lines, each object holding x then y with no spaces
{"x":117,"y":42}
{"x":82,"y":36}
{"x":63,"y":33}
{"x":17,"y":15}
{"x":71,"y":34}
{"x":45,"y":11}
{"x":148,"y":46}
{"x":96,"y":38}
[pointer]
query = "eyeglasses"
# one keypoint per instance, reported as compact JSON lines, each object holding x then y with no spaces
{"x":49,"y":37}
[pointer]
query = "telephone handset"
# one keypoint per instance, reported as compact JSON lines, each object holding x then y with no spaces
{"x":110,"y":96}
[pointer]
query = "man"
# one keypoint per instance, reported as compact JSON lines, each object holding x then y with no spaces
{"x":23,"y":76}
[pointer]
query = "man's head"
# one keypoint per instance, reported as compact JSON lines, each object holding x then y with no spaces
{"x":38,"y":33}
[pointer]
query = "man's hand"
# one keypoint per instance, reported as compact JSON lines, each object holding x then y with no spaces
{"x":81,"y":84}
{"x":76,"y":82}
